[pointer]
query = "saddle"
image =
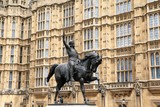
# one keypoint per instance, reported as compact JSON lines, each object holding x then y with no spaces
{"x":79,"y":67}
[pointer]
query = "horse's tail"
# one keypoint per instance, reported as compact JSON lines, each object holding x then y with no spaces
{"x":51,"y":72}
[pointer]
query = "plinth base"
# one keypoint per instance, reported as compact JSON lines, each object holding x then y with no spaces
{"x":71,"y":105}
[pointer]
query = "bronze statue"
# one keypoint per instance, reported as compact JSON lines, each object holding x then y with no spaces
{"x":83,"y":70}
{"x":73,"y":56}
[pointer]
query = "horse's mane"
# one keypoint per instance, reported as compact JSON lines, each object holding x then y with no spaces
{"x":88,"y":55}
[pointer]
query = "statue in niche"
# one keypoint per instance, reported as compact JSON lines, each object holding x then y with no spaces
{"x":137,"y":87}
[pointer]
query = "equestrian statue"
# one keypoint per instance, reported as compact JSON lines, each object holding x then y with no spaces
{"x":75,"y":69}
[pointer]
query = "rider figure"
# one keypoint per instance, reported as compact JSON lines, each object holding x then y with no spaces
{"x":73,"y":56}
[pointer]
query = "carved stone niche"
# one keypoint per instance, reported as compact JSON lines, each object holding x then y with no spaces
{"x":122,"y":92}
{"x":91,"y":93}
{"x":118,"y":89}
{"x":154,"y":87}
{"x":65,"y":94}
{"x":40,"y":92}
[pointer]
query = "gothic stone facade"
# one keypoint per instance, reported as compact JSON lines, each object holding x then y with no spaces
{"x":125,"y":32}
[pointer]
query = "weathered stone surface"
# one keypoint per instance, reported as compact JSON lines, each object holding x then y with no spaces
{"x":71,"y":105}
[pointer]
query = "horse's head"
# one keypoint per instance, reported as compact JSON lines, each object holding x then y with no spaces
{"x":96,"y":60}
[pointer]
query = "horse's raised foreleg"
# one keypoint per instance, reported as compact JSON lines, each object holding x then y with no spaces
{"x":83,"y":89}
{"x":93,"y":79}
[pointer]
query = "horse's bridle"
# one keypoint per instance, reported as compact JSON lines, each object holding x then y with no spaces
{"x":94,"y":66}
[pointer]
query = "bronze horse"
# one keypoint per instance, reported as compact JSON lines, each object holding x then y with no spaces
{"x":83,"y":72}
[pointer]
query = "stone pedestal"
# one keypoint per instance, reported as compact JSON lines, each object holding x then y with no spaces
{"x":71,"y":105}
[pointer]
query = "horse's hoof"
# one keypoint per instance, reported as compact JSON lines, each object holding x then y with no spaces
{"x":86,"y":101}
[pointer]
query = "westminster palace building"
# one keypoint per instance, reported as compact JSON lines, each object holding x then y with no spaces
{"x":126,"y":33}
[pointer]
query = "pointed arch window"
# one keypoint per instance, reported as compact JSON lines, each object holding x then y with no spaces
{"x":121,"y":7}
{"x":129,"y":28}
{"x":88,"y":34}
{"x":122,"y":64}
{"x":118,"y":30}
{"x":21,"y":54}
{"x":22,"y":28}
{"x":10,"y":80}
{"x":1,"y":53}
{"x":122,"y":41}
{"x":154,"y":22}
{"x":48,"y":19}
{"x":2,"y":30}
{"x":91,"y":9}
{"x":12,"y":54}
{"x":85,"y":3}
{"x":118,"y":77}
{"x":130,"y":75}
{"x":13,"y":28}
{"x":125,"y":41}
{"x":96,"y":12}
{"x":125,"y":29}
{"x":39,"y":77}
{"x":158,"y":72}
{"x":68,"y":16}
{"x":130,"y":64}
{"x":155,"y":62}
{"x":45,"y":76}
{"x":153,"y":73}
{"x":156,"y":33}
{"x":19,"y":79}
{"x":41,"y":19}
{"x":151,"y":33}
{"x":118,"y":64}
{"x":125,"y":7}
{"x":85,"y":37}
{"x":1,"y":27}
{"x":157,"y":58}
{"x":152,"y":59}
{"x":29,"y":27}
{"x":47,"y":48}
{"x":129,"y":5}
{"x":117,"y":9}
{"x":156,"y":19}
{"x":89,"y":41}
{"x":151,"y":20}
{"x":96,"y":38}
{"x":27,"y":79}
{"x":121,"y":30}
{"x":124,"y":74}
{"x":118,"y":42}
{"x":126,"y":64}
{"x":124,"y":35}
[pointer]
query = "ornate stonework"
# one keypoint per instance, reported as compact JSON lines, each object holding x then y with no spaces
{"x":125,"y":32}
